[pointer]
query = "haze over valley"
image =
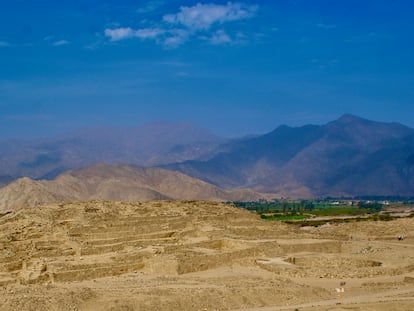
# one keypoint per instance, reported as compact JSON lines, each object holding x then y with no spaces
{"x":347,"y":157}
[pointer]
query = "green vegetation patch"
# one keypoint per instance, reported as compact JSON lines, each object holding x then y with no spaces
{"x":339,"y":211}
{"x":320,"y":222}
{"x":284,"y":217}
{"x":302,"y":212}
{"x":329,"y":207}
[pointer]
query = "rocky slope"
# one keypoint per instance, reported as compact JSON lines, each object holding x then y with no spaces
{"x":347,"y":157}
{"x":115,"y":183}
{"x":350,"y":156}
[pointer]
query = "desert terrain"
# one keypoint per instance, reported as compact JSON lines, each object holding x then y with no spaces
{"x":192,"y":255}
{"x":117,"y":182}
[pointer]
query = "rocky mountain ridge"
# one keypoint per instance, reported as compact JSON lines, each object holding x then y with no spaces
{"x":350,"y":156}
{"x":146,"y":145}
{"x":347,"y":157}
{"x":115,"y":183}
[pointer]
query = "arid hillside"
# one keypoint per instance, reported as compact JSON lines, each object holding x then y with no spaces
{"x":146,"y":145}
{"x":188,"y":255}
{"x":115,"y":183}
{"x":350,"y":156}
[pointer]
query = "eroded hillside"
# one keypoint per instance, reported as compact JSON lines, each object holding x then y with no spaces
{"x":116,"y":183}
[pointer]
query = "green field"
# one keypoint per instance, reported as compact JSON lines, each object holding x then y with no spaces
{"x":339,"y":211}
{"x":317,"y":208}
{"x":284,"y":217}
{"x":302,"y":212}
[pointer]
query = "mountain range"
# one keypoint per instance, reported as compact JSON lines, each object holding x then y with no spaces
{"x":147,"y":145}
{"x":350,"y":156}
{"x":116,"y":182}
{"x":347,"y":157}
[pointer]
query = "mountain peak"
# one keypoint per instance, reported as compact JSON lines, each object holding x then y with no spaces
{"x":349,"y":118}
{"x":347,"y":121}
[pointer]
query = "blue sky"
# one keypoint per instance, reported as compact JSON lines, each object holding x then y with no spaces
{"x":234,"y":68}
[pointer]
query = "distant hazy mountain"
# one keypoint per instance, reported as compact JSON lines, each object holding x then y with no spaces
{"x":115,"y":183}
{"x":147,"y":145}
{"x":347,"y":157}
{"x":350,"y":156}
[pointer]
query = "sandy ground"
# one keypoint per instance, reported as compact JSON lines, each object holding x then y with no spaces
{"x":198,"y":256}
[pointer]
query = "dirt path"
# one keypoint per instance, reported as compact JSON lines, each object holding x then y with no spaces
{"x":387,"y":296}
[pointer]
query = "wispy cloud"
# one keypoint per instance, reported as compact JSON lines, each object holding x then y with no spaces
{"x":182,"y":74}
{"x":4,"y":44}
{"x":176,"y":38}
{"x":150,"y":6}
{"x":60,"y":43}
{"x":149,"y":33}
{"x":51,"y":40}
{"x":220,"y":37}
{"x":203,"y":16}
{"x":119,"y":33}
{"x":126,"y":33}
{"x":196,"y":21}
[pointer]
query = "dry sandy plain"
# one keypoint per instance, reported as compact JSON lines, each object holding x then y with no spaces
{"x":198,"y":256}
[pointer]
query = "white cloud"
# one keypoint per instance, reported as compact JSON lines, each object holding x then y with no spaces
{"x":119,"y":33}
{"x":4,"y":44}
{"x":194,"y":21}
{"x":149,"y":33}
{"x":173,"y":42}
{"x":60,"y":43}
{"x":203,"y":16}
{"x":176,"y":38}
{"x":150,"y":6}
{"x":220,"y":37}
